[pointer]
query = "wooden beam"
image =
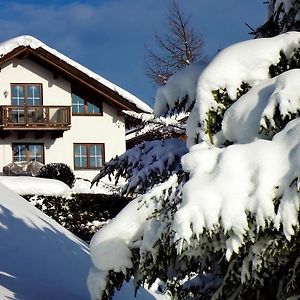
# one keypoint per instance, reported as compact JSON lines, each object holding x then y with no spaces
{"x":23,"y":54}
{"x":13,"y":54}
{"x":21,"y":134}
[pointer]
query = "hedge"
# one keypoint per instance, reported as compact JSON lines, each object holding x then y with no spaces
{"x":82,"y":214}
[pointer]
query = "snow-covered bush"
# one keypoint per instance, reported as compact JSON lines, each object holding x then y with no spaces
{"x":59,"y":171}
{"x":230,"y":229}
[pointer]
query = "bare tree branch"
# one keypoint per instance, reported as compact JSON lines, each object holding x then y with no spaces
{"x":180,"y":47}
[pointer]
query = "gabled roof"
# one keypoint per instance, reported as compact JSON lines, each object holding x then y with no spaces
{"x":59,"y":64}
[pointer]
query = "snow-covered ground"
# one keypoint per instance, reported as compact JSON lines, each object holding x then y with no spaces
{"x":39,"y":259}
{"x":103,"y":187}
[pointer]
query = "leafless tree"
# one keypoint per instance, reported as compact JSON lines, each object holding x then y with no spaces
{"x":178,"y":48}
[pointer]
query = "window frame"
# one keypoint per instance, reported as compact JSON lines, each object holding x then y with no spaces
{"x":85,"y":105}
{"x":87,"y":145}
{"x":27,"y":153}
{"x":25,"y":85}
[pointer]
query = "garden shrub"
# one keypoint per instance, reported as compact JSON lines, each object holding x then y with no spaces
{"x":82,"y":214}
{"x":59,"y":171}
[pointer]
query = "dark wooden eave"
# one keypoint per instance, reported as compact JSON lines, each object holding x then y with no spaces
{"x":18,"y":52}
{"x":75,"y":76}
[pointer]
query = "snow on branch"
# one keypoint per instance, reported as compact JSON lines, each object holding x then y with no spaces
{"x":228,"y":185}
{"x":282,"y":16}
{"x":172,"y":121}
{"x":236,"y":216}
{"x":264,"y":110}
{"x":284,"y":103}
{"x":137,"y":216}
{"x":230,"y":75}
{"x":179,"y":93}
{"x":145,"y":165}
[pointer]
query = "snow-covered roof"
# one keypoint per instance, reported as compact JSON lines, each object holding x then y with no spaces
{"x":8,"y":46}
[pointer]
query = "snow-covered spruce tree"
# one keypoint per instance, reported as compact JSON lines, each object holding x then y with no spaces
{"x":231,"y":229}
{"x":154,"y":161}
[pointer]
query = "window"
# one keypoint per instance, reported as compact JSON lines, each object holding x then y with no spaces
{"x":28,"y":152}
{"x":88,"y":156}
{"x":81,"y":106}
{"x":26,"y":94}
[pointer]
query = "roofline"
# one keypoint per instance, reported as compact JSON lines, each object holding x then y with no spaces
{"x":71,"y":72}
{"x":83,"y":78}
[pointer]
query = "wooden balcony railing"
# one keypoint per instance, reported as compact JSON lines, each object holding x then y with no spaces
{"x":35,"y":117}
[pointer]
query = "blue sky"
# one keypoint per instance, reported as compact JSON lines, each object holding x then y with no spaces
{"x":109,"y":36}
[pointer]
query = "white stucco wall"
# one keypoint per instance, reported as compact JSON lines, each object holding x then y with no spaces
{"x":108,"y":129}
{"x":55,"y":91}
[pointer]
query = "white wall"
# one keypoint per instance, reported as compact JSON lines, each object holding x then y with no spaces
{"x":55,"y":91}
{"x":108,"y":129}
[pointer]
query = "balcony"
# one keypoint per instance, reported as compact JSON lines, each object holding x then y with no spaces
{"x":45,"y":118}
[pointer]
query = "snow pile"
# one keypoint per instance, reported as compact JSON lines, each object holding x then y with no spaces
{"x":29,"y":41}
{"x":39,"y":259}
{"x":241,"y":121}
{"x":27,"y":185}
{"x":251,"y":175}
{"x":121,"y":243}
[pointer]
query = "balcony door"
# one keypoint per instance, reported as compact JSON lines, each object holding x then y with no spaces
{"x":26,"y":101}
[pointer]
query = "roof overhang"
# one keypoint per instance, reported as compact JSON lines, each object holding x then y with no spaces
{"x":75,"y":76}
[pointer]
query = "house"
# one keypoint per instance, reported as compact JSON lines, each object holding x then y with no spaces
{"x":53,"y":109}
